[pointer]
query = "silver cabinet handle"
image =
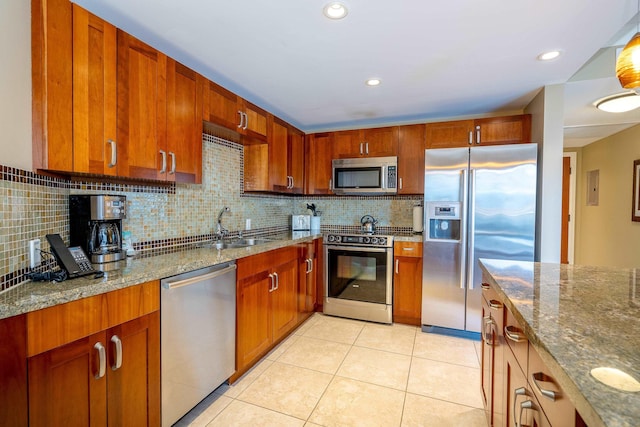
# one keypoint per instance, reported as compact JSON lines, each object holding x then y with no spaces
{"x":361,"y":151}
{"x":470,"y":137}
{"x":527,"y":404}
{"x":463,"y":241}
{"x":521,"y":391}
{"x":310,"y":265}
{"x":118,"y":343}
{"x":397,"y":266}
{"x":241,"y":118}
{"x":478,"y":134}
{"x":485,"y":286}
{"x":277,"y":281}
{"x":272,"y":287}
{"x":495,"y":305}
{"x":102,"y":357}
{"x":330,"y":184}
{"x":173,"y":163}
{"x":246,"y":121}
{"x":539,"y":376}
{"x":472,"y":228}
{"x":114,"y":153}
{"x":367,"y":148}
{"x":164,"y":161}
{"x":400,"y":183}
{"x":513,"y":335}
{"x":487,"y":335}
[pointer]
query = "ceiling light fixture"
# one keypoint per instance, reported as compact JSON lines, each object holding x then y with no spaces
{"x":373,"y":82}
{"x":628,"y":63}
{"x":548,"y":56}
{"x":335,"y":10}
{"x":619,"y":103}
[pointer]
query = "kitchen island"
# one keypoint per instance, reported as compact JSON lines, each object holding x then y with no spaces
{"x":578,"y":318}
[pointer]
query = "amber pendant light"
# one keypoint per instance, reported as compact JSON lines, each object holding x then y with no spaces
{"x":628,"y":63}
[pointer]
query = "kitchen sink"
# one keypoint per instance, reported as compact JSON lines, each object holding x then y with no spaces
{"x":236,"y":243}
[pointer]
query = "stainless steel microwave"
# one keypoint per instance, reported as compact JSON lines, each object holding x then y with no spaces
{"x":365,"y":176}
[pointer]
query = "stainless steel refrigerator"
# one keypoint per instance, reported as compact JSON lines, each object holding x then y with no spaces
{"x":480,"y":202}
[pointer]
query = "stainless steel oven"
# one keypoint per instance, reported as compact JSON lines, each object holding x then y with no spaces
{"x":359,"y":276}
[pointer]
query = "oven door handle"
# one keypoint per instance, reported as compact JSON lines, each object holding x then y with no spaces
{"x":357,"y":248}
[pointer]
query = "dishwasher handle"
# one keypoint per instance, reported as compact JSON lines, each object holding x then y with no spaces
{"x":197,"y":279}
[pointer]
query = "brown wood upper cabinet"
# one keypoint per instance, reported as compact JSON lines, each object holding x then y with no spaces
{"x":376,"y":142}
{"x":286,"y":158}
{"x":318,"y":157}
{"x":411,"y":144}
{"x":225,"y":108}
{"x":102,"y":100}
{"x":488,"y":131}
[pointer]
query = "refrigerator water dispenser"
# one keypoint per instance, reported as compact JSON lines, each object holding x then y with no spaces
{"x":443,"y":221}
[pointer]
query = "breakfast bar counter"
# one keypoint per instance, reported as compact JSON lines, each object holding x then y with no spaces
{"x":579,"y":318}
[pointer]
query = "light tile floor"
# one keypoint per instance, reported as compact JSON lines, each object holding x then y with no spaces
{"x":342,"y":372}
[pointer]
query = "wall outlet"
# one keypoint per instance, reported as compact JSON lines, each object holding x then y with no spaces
{"x":35,"y":259}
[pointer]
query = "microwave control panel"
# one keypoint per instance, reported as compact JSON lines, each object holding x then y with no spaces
{"x":392,"y":177}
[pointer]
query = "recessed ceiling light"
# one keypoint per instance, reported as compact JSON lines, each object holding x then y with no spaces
{"x":335,"y":10}
{"x":373,"y":82}
{"x":619,"y":103}
{"x":548,"y":56}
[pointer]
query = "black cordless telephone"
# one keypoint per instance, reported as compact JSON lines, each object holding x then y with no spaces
{"x":73,"y":260}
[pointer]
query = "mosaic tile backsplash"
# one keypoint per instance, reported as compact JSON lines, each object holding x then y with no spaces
{"x":33,"y":205}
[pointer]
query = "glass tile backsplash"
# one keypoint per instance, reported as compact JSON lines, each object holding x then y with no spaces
{"x":33,"y":205}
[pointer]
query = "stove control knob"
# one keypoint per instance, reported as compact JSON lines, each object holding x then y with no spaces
{"x":338,"y":239}
{"x":382,"y":241}
{"x":374,"y":240}
{"x":366,"y":239}
{"x":331,"y":238}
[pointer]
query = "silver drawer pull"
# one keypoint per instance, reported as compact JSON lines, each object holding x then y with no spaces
{"x":539,"y":376}
{"x":512,"y":333}
{"x":485,"y":286}
{"x":517,"y":392}
{"x":114,"y":153}
{"x":495,"y":305}
{"x":273,"y":283}
{"x":527,"y":404}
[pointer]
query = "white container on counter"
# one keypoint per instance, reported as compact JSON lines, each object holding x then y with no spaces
{"x":315,"y":223}
{"x":418,"y":219}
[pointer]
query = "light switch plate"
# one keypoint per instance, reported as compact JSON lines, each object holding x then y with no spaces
{"x":35,"y":259}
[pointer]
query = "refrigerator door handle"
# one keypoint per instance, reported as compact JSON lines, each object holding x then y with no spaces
{"x":472,"y":227}
{"x":463,"y":240}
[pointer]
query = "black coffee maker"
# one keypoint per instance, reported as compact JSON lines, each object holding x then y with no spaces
{"x":96,"y":226}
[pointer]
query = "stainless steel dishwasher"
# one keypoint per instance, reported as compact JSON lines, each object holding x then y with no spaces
{"x":198,"y":336}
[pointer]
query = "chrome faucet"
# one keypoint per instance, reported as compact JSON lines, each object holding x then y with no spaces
{"x":220,"y":230}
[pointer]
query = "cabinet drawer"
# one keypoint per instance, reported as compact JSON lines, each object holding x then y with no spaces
{"x":516,"y":339}
{"x":557,"y":407}
{"x":407,"y":249}
{"x":61,"y":324}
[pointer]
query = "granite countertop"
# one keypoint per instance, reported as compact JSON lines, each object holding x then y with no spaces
{"x":579,"y":318}
{"x":31,"y":296}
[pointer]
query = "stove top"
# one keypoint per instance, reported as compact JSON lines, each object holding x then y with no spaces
{"x":378,"y":240}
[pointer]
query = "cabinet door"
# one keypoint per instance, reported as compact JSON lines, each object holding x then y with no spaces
{"x":380,"y":142}
{"x":94,"y":94}
{"x":13,"y":372}
{"x":347,"y":143}
{"x":184,"y":123}
{"x":284,"y":306}
{"x":449,"y":134}
{"x":307,"y":267}
{"x":278,"y":157}
{"x":255,"y":122}
{"x":142,"y":109}
{"x":407,"y":290}
{"x":516,"y":392}
{"x":254,"y":327}
{"x":503,"y":130}
{"x":221,"y":107}
{"x":411,"y":145}
{"x":318,"y":157}
{"x":52,"y":80}
{"x":296,"y":159}
{"x":133,"y":389}
{"x":66,"y":387}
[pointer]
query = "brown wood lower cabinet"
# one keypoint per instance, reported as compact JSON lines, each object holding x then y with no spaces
{"x":108,"y":376}
{"x":407,"y":283}
{"x":308,"y":270}
{"x":267,"y":303}
{"x":13,"y":372}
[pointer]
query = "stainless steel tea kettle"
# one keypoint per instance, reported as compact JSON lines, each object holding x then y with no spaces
{"x":368,"y":224}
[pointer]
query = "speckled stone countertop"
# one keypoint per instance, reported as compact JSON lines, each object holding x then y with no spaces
{"x":31,"y":296}
{"x":579,"y":318}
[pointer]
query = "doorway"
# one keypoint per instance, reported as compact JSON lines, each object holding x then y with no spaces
{"x":567,"y":238}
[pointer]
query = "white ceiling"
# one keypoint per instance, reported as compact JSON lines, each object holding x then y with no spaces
{"x":437,"y":59}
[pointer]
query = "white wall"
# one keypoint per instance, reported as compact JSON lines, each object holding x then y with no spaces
{"x":15,"y":84}
{"x":547,"y":130}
